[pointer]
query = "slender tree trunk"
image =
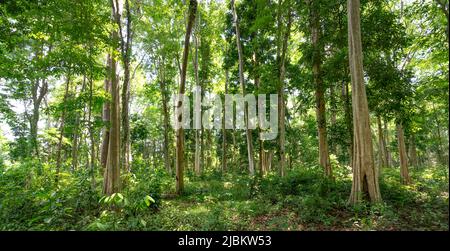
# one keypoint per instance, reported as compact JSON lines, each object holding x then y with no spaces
{"x":106,"y":116}
{"x":440,"y":150}
{"x":209,"y":144}
{"x":324,"y":157}
{"x":38,"y":94}
{"x":251,"y":165}
{"x":125,"y":147}
{"x":258,"y":86}
{"x":281,"y":95}
{"x":381,"y":144}
{"x":92,"y":163}
{"x":234,"y":155}
{"x":180,"y":130}
{"x":224,"y":132}
{"x":61,"y":130}
{"x":165,"y":111}
{"x":365,"y":176}
{"x":388,"y":153}
{"x":333,"y":110}
{"x":404,"y":172}
{"x":197,"y":165}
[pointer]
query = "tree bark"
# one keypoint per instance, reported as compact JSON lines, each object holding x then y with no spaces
{"x":111,"y":183}
{"x":365,"y":177}
{"x":126,"y":54}
{"x":333,"y":110}
{"x":106,"y":115}
{"x":404,"y":172}
{"x":388,"y":153}
{"x":165,"y":111}
{"x":251,"y":165}
{"x":224,"y":133}
{"x":324,"y":157}
{"x":281,"y":95}
{"x":197,"y":164}
{"x":180,"y":131}
{"x":91,"y":163}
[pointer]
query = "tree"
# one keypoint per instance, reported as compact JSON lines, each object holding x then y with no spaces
{"x":324,"y":157}
{"x":192,"y":11}
{"x":251,"y":165}
{"x":282,"y":74}
{"x":365,"y":176}
{"x":111,"y":183}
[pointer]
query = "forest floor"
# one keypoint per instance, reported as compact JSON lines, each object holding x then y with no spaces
{"x":302,"y":200}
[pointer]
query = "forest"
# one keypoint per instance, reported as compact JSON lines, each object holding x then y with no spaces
{"x":142,"y":115}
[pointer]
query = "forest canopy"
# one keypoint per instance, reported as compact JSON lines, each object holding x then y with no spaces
{"x":351,"y":94}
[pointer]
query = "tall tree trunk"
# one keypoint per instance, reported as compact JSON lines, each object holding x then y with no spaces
{"x":38,"y":93}
{"x":198,"y":117}
{"x":258,"y":86}
{"x":387,"y":143}
{"x":165,"y":112}
{"x":180,"y":131}
{"x":324,"y":157}
{"x":210,"y":146}
{"x":365,"y":176}
{"x":251,"y":165}
{"x":281,"y":95}
{"x":126,"y":54}
{"x":224,"y":132}
{"x":404,"y":172}
{"x":112,"y":171}
{"x":333,"y":110}
{"x":106,"y":115}
{"x":440,"y":149}
{"x":61,"y":130}
{"x":92,"y":163}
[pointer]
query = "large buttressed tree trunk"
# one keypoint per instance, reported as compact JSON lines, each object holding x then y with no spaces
{"x":112,"y":171}
{"x":180,"y":132}
{"x":404,"y":172}
{"x":365,"y":177}
{"x":251,"y":162}
{"x":324,"y":157}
